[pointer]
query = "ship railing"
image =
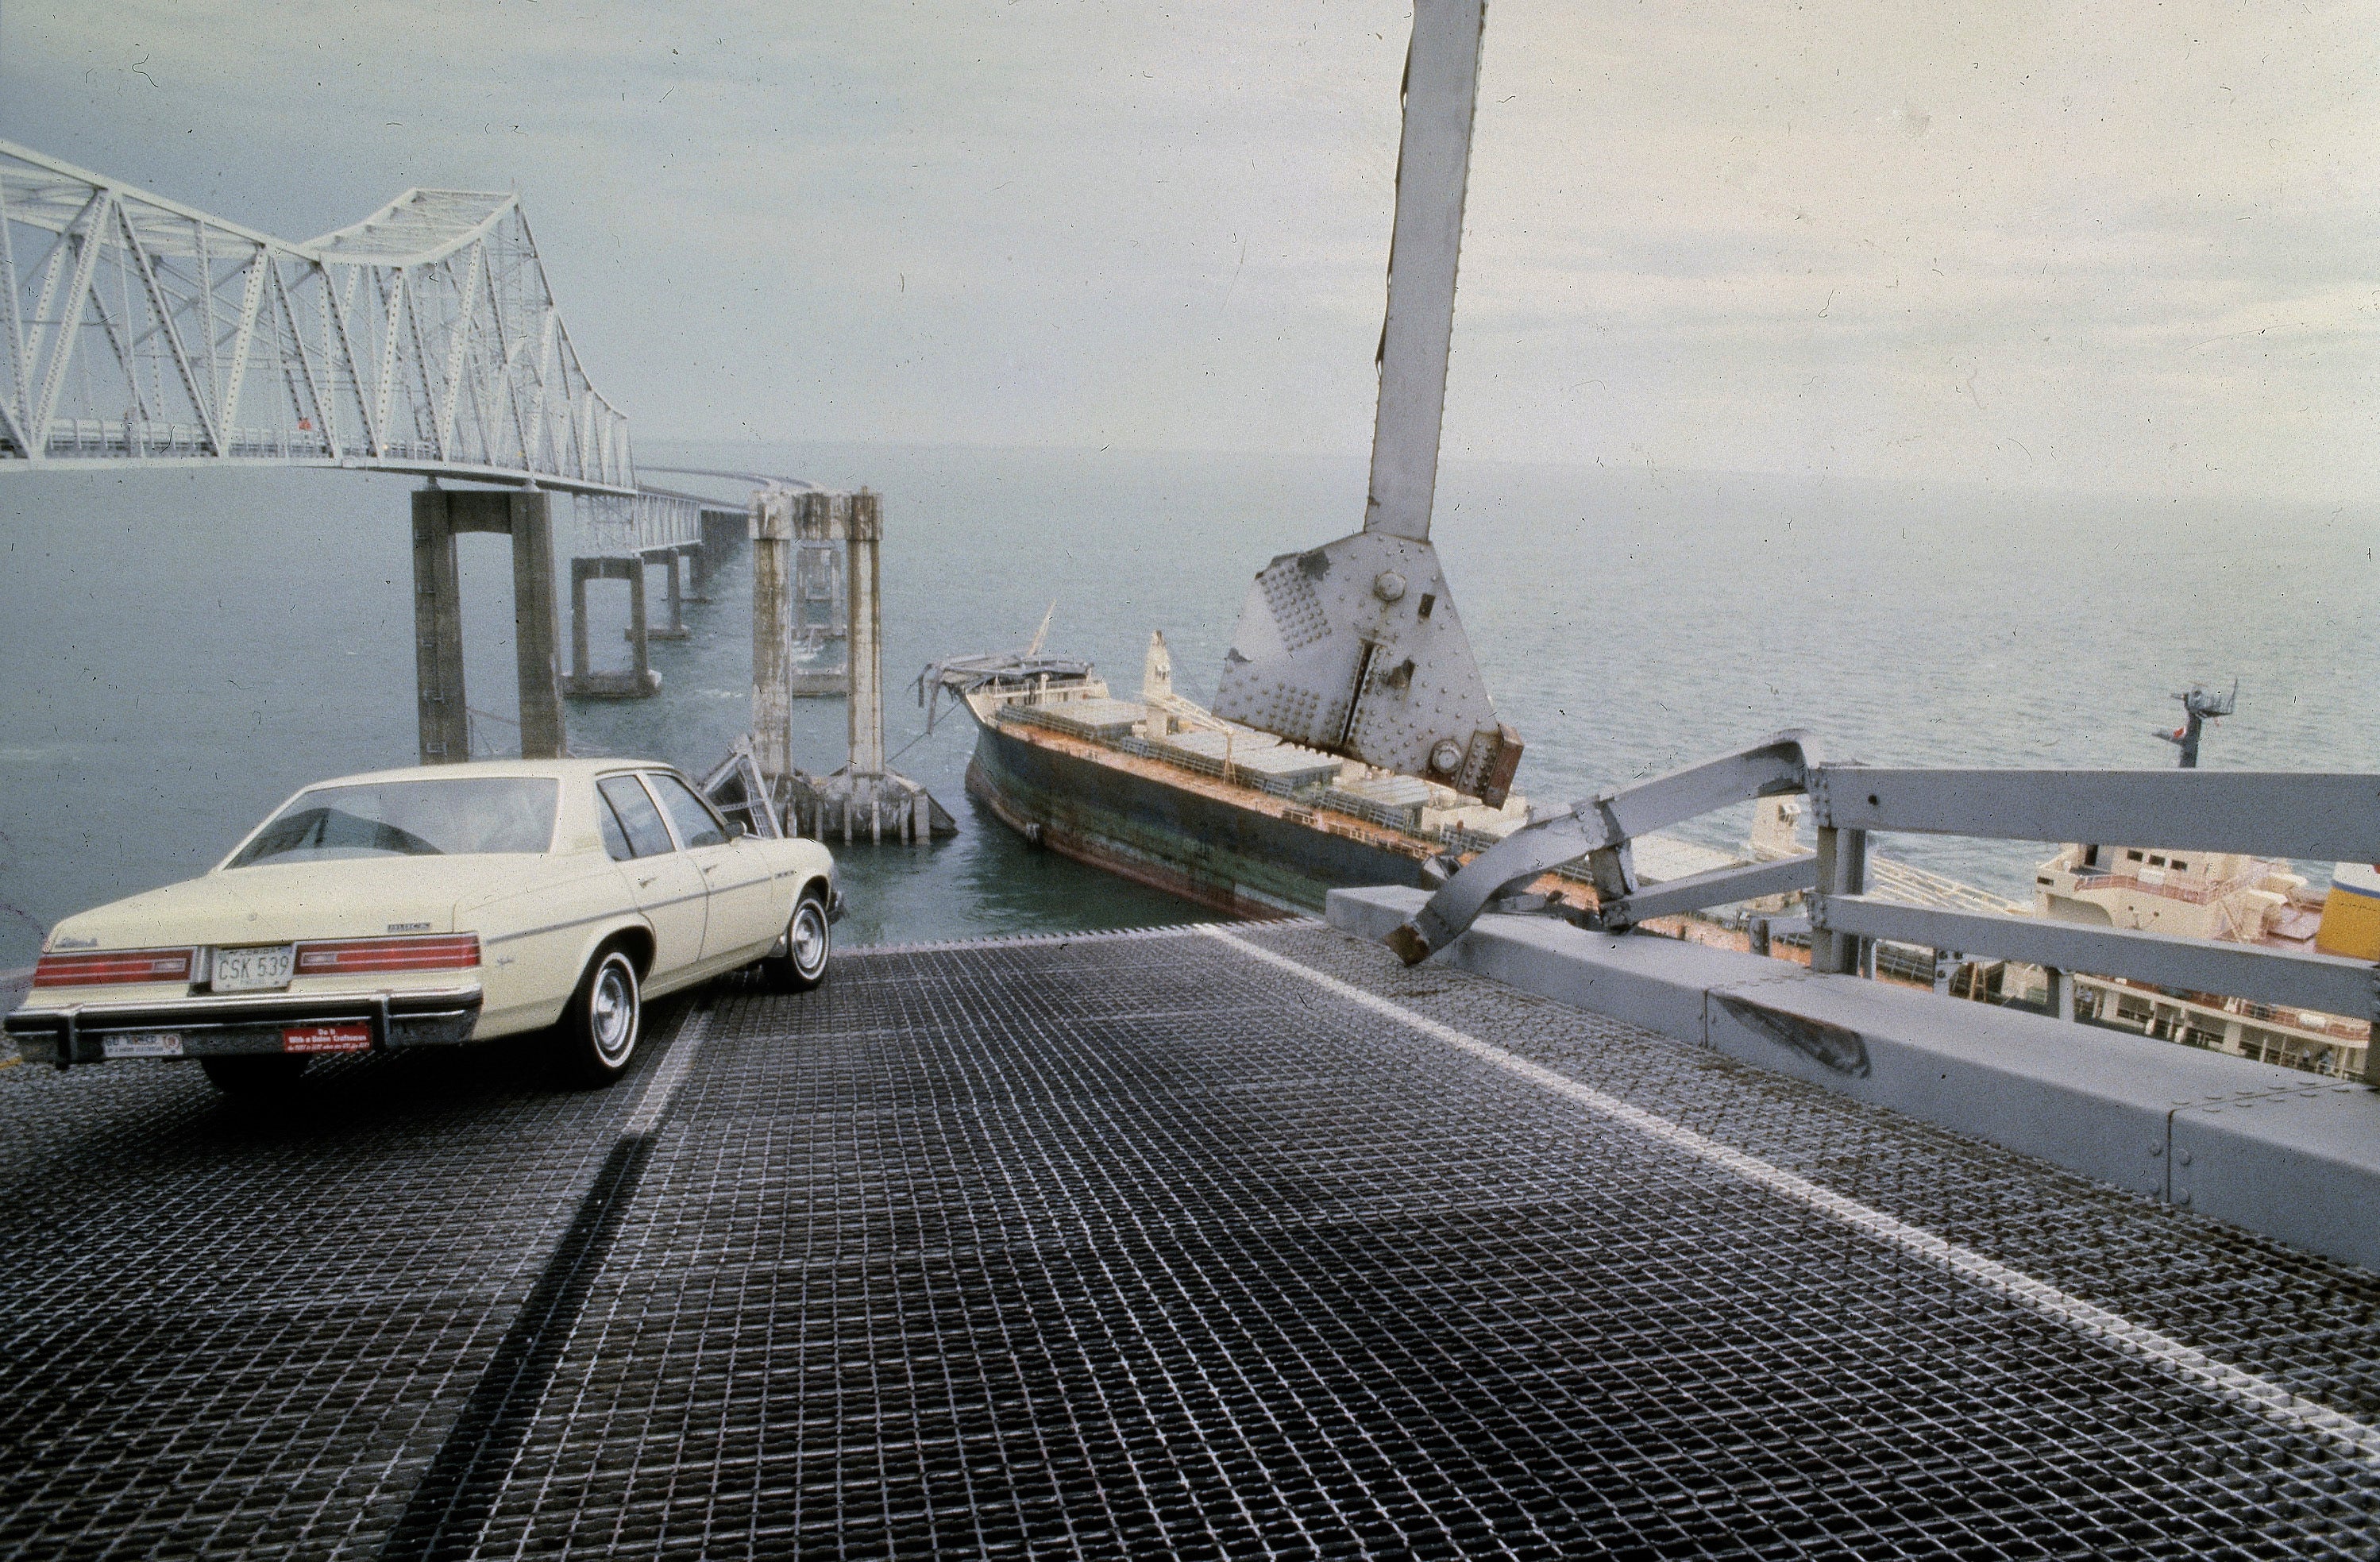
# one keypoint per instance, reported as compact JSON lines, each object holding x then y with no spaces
{"x":2191,"y":894}
{"x":2310,"y":817}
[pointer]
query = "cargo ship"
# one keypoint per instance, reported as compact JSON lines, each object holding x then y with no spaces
{"x":1163,"y":791}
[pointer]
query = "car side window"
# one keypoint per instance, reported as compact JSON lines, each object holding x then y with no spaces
{"x":696,"y":825}
{"x":615,"y":840}
{"x":637,"y":816}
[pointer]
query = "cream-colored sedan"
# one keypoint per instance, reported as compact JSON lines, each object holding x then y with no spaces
{"x":430,"y":907}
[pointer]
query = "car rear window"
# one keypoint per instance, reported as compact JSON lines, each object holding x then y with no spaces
{"x":467,"y":815}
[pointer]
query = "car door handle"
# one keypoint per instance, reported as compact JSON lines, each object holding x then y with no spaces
{"x":647,"y":881}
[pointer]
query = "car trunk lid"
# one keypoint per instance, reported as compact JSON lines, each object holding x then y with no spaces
{"x":270,"y":903}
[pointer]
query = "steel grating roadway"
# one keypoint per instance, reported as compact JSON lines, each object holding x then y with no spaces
{"x":1233,"y":1242}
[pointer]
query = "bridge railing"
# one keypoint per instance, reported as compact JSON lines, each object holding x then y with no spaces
{"x":2333,"y":817}
{"x":619,"y":526}
{"x":2324,"y":818}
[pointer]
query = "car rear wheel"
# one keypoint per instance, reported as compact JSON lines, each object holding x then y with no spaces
{"x":600,"y":1028}
{"x":809,"y":938}
{"x":255,"y":1077}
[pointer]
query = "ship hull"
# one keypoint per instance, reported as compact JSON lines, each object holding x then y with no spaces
{"x":1241,"y":862}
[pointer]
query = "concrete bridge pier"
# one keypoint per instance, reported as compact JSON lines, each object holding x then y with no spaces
{"x":673,"y":563}
{"x":771,"y":536}
{"x":439,"y":514}
{"x":722,"y":530}
{"x":697,"y":565}
{"x":863,"y":655}
{"x":640,"y":682}
{"x":863,"y":799}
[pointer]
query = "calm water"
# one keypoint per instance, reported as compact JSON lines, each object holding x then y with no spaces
{"x":185,"y":650}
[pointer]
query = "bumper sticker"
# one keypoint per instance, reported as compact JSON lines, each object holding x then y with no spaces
{"x":355,"y":1037}
{"x":150,"y":1044}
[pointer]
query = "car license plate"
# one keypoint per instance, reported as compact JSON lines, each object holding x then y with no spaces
{"x":144,"y":1044}
{"x":355,"y":1037}
{"x":252,"y":970}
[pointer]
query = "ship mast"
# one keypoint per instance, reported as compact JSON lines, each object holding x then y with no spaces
{"x":2198,"y":707}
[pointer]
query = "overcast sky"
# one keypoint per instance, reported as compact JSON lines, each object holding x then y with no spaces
{"x":2115,"y":246}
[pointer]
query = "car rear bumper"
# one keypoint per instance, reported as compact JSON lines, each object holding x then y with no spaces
{"x":232,"y":1025}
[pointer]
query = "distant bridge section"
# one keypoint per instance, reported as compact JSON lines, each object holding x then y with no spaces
{"x":422,"y":340}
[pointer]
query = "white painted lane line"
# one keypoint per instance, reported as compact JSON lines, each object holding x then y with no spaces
{"x":664,"y":1082}
{"x":2193,"y":1366}
{"x":994,"y":943}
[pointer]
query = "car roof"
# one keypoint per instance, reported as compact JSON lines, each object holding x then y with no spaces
{"x":558,"y":770}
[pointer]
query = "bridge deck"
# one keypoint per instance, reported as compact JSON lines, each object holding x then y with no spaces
{"x":1243,"y":1245}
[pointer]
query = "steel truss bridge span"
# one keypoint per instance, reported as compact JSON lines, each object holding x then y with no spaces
{"x":422,"y":340}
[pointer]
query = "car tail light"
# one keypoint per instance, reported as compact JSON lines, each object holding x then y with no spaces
{"x":355,"y":956}
{"x":101,"y":967}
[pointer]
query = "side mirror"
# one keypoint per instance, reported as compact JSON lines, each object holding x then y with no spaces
{"x":737,"y":828}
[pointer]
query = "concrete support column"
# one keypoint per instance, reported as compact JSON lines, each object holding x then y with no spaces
{"x":581,"y":661}
{"x":541,"y":734}
{"x":444,"y":718}
{"x":697,"y":570}
{"x":673,"y":628}
{"x":439,"y":514}
{"x":640,"y":652}
{"x":722,"y":530}
{"x":771,"y":524}
{"x":867,"y":661}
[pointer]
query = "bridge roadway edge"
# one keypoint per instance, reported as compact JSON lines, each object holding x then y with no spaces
{"x":2280,"y":1153}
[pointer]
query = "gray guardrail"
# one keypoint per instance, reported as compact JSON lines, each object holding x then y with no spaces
{"x":2322,"y":817}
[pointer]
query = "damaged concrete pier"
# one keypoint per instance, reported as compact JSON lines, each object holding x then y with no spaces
{"x":863,"y":800}
{"x":1232,"y":1241}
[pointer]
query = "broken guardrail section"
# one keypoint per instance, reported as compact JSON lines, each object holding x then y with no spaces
{"x":1601,"y":829}
{"x":2315,"y":816}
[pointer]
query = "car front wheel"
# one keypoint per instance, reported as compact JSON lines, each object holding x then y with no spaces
{"x":600,"y":1028}
{"x":808,"y":940}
